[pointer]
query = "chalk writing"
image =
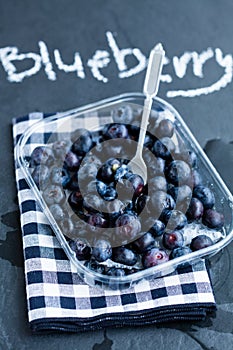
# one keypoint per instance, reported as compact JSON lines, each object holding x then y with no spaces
{"x":53,"y":62}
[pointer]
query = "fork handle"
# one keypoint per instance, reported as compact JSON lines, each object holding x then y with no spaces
{"x":144,"y":122}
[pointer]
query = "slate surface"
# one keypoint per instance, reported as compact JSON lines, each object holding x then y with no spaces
{"x":82,"y":26}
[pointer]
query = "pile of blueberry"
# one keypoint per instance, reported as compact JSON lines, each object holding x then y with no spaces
{"x":113,"y":221}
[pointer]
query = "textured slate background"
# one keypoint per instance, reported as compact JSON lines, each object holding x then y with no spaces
{"x":80,"y":26}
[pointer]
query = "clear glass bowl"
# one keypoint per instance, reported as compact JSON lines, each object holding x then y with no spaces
{"x":66,"y":127}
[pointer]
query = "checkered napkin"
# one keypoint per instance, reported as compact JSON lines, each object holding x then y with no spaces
{"x":58,"y":300}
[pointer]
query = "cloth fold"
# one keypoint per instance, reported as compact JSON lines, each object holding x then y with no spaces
{"x":58,"y":299}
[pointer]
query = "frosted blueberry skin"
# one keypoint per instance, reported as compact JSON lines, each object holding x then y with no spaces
{"x":176,"y":220}
{"x":179,"y":251}
{"x":54,"y":194}
{"x":124,"y":256}
{"x":200,"y":242}
{"x":195,"y":210}
{"x":58,"y":212}
{"x":158,"y":228}
{"x":178,"y":172}
{"x":42,"y":155}
{"x":102,"y":250}
{"x":83,"y":143}
{"x":213,"y":219}
{"x":205,"y":195}
{"x":165,"y":128}
{"x":71,"y":161}
{"x":41,"y":176}
{"x":144,"y":243}
{"x":60,"y":148}
{"x":128,"y":226}
{"x":60,"y":176}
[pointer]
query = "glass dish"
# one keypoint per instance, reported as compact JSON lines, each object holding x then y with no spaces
{"x":68,"y":127}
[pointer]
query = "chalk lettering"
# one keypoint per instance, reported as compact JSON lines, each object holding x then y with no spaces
{"x":46,"y":61}
{"x":77,"y":66}
{"x":225,"y":63}
{"x":180,"y":64}
{"x":10,"y":54}
{"x":99,"y":60}
{"x":120,"y":55}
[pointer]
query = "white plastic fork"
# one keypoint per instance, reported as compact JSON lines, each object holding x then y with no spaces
{"x":150,"y":89}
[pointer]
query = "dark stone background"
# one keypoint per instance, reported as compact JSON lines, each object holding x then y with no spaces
{"x":70,"y":26}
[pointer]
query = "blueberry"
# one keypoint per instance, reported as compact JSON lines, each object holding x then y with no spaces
{"x":157,"y":183}
{"x":188,"y":157}
{"x":57,"y":211}
{"x":91,"y":159}
{"x":101,"y":187}
{"x":179,"y":251}
{"x":86,"y":173}
{"x":160,"y":201}
{"x":158,"y":228}
{"x":213,"y":219}
{"x":97,"y":220}
{"x":123,"y":114}
{"x":71,"y":161}
{"x":181,"y":194}
{"x":94,"y":266}
{"x":115,"y":272}
{"x":83,"y":143}
{"x":42,"y":155}
{"x":115,"y":207}
{"x":136,"y":182}
{"x":148,"y":141}
{"x":165,"y":128}
{"x":177,"y":220}
{"x":110,"y":194}
{"x":143,"y":243}
{"x":107,"y":172}
{"x":54,"y":194}
{"x":75,"y":200}
{"x":121,"y":172}
{"x":195,"y":210}
{"x":156,"y":165}
{"x":205,"y":195}
{"x":154,"y":257}
{"x":73,"y":184}
{"x":102,"y":250}
{"x":128,"y":227}
{"x":115,"y":131}
{"x":124,"y":256}
{"x":67,"y":227}
{"x":81,"y":248}
{"x":163,"y":148}
{"x":92,"y":203}
{"x":200,"y":242}
{"x":173,"y":239}
{"x":97,"y":138}
{"x":196,"y":178}
{"x":41,"y":175}
{"x":60,"y":148}
{"x":178,"y":172}
{"x":141,"y":203}
{"x":60,"y":176}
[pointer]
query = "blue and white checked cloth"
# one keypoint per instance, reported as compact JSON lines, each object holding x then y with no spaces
{"x":58,"y":300}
